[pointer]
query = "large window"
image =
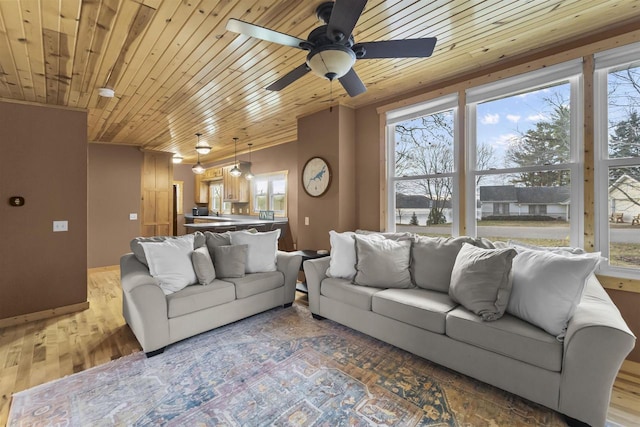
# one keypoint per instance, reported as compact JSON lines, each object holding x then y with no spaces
{"x":524,"y":140}
{"x":618,"y":158}
{"x":269,"y":192}
{"x":422,"y":144}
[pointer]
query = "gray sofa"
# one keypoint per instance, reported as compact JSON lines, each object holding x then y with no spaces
{"x":158,"y":320}
{"x":573,"y":377}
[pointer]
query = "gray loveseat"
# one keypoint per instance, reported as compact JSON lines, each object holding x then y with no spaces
{"x":158,"y":320}
{"x":574,"y":377}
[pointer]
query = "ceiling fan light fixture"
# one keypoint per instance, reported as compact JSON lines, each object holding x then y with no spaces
{"x":331,"y":62}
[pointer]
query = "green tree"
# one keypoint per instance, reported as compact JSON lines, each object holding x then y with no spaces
{"x":625,"y":142}
{"x":414,"y":219}
{"x":547,"y":144}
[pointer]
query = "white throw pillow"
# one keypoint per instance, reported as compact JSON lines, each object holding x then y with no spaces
{"x":547,"y":287}
{"x":170,"y":263}
{"x":343,"y":253}
{"x":262,"y":249}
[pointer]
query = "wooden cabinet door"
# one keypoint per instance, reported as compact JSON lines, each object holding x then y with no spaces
{"x":230,"y":185}
{"x":200,"y":190}
{"x":157,"y":194}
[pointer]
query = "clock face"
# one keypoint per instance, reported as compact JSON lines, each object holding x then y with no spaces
{"x":316,"y":176}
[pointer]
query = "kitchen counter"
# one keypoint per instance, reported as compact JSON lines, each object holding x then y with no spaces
{"x":239,"y":221}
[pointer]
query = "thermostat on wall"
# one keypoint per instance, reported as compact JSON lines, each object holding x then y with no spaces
{"x":16,"y":201}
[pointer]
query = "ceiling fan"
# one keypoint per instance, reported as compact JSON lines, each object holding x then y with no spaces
{"x":332,"y":49}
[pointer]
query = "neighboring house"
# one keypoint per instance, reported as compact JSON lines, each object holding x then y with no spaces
{"x":509,"y":200}
{"x":624,"y":197}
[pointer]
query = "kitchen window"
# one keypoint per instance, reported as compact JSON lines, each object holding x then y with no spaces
{"x":269,"y":193}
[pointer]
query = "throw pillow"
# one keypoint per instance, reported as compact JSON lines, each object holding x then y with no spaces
{"x":343,"y":254}
{"x":261,"y":249}
{"x":136,"y":247}
{"x":481,"y":280}
{"x":170,"y":263}
{"x":229,"y":261}
{"x":547,"y":287}
{"x":562,"y":250}
{"x":203,"y":266}
{"x":432,"y":261}
{"x":382,"y":263}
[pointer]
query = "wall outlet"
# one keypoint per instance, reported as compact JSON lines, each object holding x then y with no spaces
{"x":133,"y":216}
{"x":60,"y":226}
{"x":306,"y":220}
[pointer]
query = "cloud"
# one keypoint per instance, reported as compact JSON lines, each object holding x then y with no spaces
{"x":514,"y":118}
{"x":536,"y":117}
{"x":490,"y":119}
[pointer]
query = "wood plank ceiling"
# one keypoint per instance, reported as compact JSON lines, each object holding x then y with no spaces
{"x":177,"y":71}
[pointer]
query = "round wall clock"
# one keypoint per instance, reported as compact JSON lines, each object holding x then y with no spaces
{"x":316,"y":176}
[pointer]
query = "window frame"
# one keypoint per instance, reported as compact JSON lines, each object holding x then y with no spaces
{"x":570,"y":72}
{"x":269,"y":176}
{"x":604,"y":63}
{"x":437,"y":105}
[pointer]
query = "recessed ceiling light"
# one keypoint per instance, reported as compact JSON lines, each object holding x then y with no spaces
{"x":106,"y":92}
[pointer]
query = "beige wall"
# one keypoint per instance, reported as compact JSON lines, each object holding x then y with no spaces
{"x":43,"y":158}
{"x":113,"y":193}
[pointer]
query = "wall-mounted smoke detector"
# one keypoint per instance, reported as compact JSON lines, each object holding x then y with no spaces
{"x":106,"y":92}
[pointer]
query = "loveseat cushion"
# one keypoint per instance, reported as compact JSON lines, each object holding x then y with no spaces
{"x":198,"y":297}
{"x":418,"y":307}
{"x":257,"y":283}
{"x":343,"y":290}
{"x":508,"y":336}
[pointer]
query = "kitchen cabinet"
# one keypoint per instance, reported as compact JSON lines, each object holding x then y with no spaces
{"x":201,"y":190}
{"x":236,"y":188}
{"x":212,"y":174}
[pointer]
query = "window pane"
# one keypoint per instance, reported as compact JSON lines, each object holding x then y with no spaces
{"x":424,"y":145}
{"x":424,"y":206}
{"x":624,"y":122}
{"x":624,"y":219}
{"x":261,"y":203}
{"x":531,"y":128}
{"x":509,"y":209}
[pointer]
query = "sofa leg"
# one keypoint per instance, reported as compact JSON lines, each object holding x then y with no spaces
{"x":572,"y":422}
{"x":287,"y":305}
{"x":317,"y":316}
{"x":155,"y":352}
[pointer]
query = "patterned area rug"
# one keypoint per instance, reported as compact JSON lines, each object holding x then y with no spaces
{"x":277,"y":368}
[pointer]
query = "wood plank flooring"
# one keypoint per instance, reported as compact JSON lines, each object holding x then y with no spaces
{"x":41,"y":351}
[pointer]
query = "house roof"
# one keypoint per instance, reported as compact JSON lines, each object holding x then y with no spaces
{"x":176,"y":70}
{"x":525,"y":195}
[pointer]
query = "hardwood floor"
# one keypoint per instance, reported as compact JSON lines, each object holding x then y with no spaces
{"x":42,"y":351}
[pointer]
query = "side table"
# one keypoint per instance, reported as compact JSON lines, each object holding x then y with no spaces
{"x":306,"y":254}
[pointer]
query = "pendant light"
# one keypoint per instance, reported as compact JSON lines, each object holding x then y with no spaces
{"x":177,"y":158}
{"x":202,"y":147}
{"x":198,"y":169}
{"x":235,"y":170}
{"x":249,"y":175}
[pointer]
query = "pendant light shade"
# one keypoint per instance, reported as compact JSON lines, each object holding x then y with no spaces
{"x":235,"y":170}
{"x":198,"y":169}
{"x":202,"y":147}
{"x":249,"y":175}
{"x":177,"y":158}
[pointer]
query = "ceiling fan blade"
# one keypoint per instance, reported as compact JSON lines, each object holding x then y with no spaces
{"x":410,"y":48}
{"x":262,"y":33}
{"x":352,"y":83}
{"x":343,"y":18}
{"x":289,"y":78}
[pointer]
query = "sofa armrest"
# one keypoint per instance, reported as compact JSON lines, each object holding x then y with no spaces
{"x":315,"y":270}
{"x":144,"y":304}
{"x":596,"y":343}
{"x":289,"y":264}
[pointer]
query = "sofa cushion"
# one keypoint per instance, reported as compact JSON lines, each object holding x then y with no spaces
{"x":342,"y":290}
{"x":432,"y":260}
{"x":229,"y":261}
{"x":508,"y":336}
{"x":481,"y":280}
{"x":547,"y":287}
{"x":256,"y":283}
{"x":343,"y":254}
{"x":261,"y":249}
{"x":418,"y":307}
{"x":199,"y":240}
{"x":170,"y":263}
{"x":382,"y":263}
{"x":194,"y":298}
{"x":203,"y":265}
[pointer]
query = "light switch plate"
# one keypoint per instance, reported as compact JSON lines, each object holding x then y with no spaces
{"x":306,"y":220}
{"x":60,"y":226}
{"x":133,"y":216}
